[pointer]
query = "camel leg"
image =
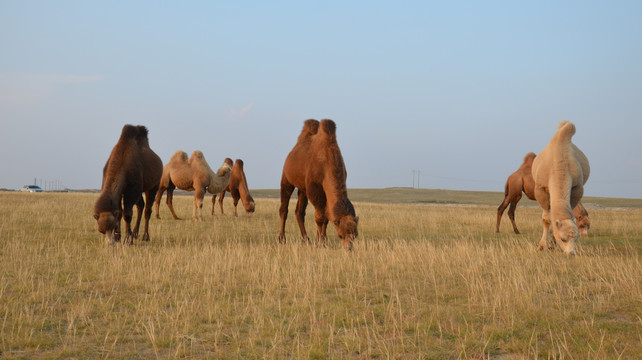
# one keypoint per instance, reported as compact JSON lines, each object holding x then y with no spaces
{"x":322,"y":225}
{"x":199,"y":195}
{"x":235,"y":200}
{"x":220,"y":202}
{"x":301,"y":205}
{"x":511,"y":212}
{"x":286,"y":192}
{"x":213,"y":203}
{"x":324,"y":228}
{"x":546,"y":222}
{"x":157,"y":200}
{"x":500,"y":212}
{"x":129,"y":200}
{"x":316,"y":192}
{"x":119,"y":217}
{"x":148,"y":212}
{"x":170,"y":200}
{"x":139,"y":215}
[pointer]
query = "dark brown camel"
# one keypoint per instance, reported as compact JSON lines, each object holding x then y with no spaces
{"x":315,"y":166}
{"x":239,"y":190}
{"x":132,"y":169}
{"x":522,"y":180}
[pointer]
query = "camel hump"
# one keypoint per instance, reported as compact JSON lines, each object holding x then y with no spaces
{"x":310,"y":127}
{"x":179,"y":155}
{"x":129,"y":132}
{"x":565,"y":130}
{"x":228,"y":161}
{"x":529,"y":157}
{"x":328,"y":127}
{"x":197,"y":154}
{"x":142,"y":132}
{"x":239,"y":163}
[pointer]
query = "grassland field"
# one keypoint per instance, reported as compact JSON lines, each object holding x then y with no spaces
{"x":428,"y":279}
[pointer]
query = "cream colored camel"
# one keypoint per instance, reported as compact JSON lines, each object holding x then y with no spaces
{"x":191,"y":175}
{"x":560,"y":172}
{"x":522,"y":181}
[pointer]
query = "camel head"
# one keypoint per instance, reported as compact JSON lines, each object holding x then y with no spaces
{"x":224,"y":170}
{"x":107,"y":224}
{"x":583,"y":224}
{"x":346,"y":228}
{"x":249,"y":207}
{"x":566,"y":234}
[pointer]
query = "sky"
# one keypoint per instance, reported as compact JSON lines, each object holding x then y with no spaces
{"x":431,"y":94}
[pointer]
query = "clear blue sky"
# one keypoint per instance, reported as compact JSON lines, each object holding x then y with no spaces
{"x":459,"y":90}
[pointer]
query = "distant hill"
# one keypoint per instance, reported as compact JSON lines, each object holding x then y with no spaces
{"x":404,"y":195}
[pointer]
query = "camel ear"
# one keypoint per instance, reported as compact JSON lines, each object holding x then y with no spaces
{"x":336,"y":222}
{"x":96,"y":216}
{"x":558,"y":223}
{"x":356,"y":219}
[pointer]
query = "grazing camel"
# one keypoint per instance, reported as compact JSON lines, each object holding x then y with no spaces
{"x":560,"y":172}
{"x":522,"y":180}
{"x":239,"y":190}
{"x":132,"y":169}
{"x":315,"y":166}
{"x":193,"y":174}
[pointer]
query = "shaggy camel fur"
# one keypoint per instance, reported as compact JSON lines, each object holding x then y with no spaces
{"x":191,"y":175}
{"x":239,"y":190}
{"x":132,"y":168}
{"x":560,"y":172}
{"x":522,"y":180}
{"x":315,"y":166}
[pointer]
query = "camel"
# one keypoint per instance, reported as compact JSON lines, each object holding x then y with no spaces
{"x":522,"y":180}
{"x":560,"y":172}
{"x":193,"y":174}
{"x":132,"y":169}
{"x":239,"y":190}
{"x":315,"y":166}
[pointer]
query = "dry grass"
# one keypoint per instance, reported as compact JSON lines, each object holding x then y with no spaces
{"x":424,"y":281}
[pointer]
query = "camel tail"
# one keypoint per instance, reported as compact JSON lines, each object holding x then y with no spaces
{"x":328,"y":127}
{"x":565,"y":130}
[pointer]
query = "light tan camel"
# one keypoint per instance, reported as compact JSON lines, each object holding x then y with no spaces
{"x":315,"y":166}
{"x":522,"y":181}
{"x":191,"y":175}
{"x":560,"y":172}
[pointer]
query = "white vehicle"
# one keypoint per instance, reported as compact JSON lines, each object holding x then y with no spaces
{"x":31,"y":188}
